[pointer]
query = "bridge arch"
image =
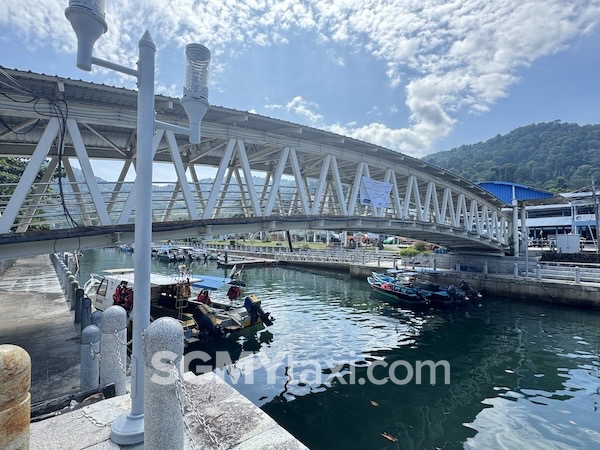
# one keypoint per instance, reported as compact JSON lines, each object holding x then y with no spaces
{"x":265,"y":172}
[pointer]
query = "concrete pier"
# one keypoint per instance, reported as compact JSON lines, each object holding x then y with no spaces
{"x":35,"y":315}
{"x":234,"y":421}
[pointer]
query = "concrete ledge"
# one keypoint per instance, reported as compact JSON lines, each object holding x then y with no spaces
{"x":582,"y":295}
{"x":235,"y":422}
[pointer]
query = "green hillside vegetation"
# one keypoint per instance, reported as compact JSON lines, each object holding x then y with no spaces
{"x":555,"y":156}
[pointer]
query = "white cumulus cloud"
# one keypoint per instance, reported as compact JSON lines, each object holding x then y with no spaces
{"x":442,"y":56}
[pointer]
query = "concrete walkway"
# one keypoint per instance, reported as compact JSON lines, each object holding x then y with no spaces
{"x":35,"y":315}
{"x":234,"y":422}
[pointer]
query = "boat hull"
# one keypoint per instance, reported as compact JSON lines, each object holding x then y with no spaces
{"x":397,"y":292}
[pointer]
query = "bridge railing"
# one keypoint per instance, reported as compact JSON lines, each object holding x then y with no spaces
{"x":565,"y":272}
{"x":366,"y":256}
{"x":588,"y":273}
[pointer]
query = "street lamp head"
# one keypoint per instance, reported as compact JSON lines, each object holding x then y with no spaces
{"x":87,"y":20}
{"x":195,"y":88}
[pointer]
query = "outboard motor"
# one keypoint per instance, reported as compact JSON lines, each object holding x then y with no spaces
{"x":207,"y":322}
{"x":457,"y":294}
{"x":472,"y":293}
{"x":252,"y":305}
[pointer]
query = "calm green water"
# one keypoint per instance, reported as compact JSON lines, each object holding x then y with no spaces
{"x":522,"y":375}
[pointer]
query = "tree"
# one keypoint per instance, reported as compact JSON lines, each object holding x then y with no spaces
{"x":557,"y":156}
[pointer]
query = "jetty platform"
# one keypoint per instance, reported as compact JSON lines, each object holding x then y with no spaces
{"x":35,"y":315}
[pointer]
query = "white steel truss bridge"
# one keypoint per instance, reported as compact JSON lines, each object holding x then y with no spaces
{"x":249,"y":173}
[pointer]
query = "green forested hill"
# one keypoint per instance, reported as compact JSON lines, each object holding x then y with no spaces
{"x":555,"y":156}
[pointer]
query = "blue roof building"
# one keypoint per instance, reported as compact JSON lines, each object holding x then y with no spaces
{"x":507,"y":192}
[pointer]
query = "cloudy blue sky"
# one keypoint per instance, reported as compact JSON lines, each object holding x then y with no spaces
{"x":417,"y":76}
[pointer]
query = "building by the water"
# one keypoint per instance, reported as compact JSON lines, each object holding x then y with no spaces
{"x":549,"y":214}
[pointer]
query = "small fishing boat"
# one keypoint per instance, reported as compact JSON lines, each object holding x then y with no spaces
{"x":395,"y":276}
{"x":434,"y":293}
{"x":172,"y":296}
{"x":396,"y":291}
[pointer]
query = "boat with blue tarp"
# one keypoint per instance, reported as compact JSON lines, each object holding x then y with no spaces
{"x":185,"y":297}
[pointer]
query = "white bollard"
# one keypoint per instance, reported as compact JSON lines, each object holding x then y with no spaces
{"x":97,"y":319}
{"x":485,"y":268}
{"x":163,"y":418}
{"x":73,"y":286}
{"x":89,"y":375}
{"x":62,"y":275}
{"x":86,"y":313}
{"x":78,"y":304}
{"x":538,"y":272}
{"x":15,"y":400}
{"x":113,"y":348}
{"x":516,"y":270}
{"x":577,"y":275}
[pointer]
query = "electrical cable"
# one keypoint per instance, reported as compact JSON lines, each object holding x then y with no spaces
{"x":55,"y":111}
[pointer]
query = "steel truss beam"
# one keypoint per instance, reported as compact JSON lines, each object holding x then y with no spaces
{"x":309,"y":173}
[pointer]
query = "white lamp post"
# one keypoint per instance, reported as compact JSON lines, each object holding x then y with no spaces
{"x":87,"y":19}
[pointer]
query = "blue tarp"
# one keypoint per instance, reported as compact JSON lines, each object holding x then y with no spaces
{"x":210,"y":282}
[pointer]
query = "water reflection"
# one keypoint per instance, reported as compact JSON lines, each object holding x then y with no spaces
{"x":521,"y":374}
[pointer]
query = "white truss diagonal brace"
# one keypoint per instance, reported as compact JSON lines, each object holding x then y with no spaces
{"x":88,"y":172}
{"x":18,"y":197}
